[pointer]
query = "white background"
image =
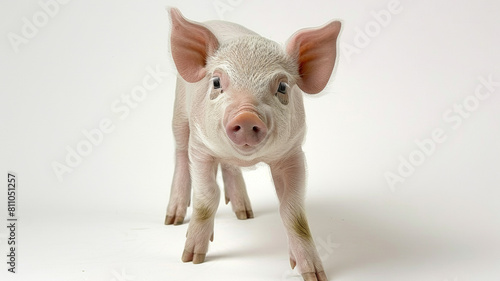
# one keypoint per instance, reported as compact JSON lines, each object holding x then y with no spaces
{"x":104,"y":220}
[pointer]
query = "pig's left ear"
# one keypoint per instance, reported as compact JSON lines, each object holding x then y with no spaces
{"x":191,"y":44}
{"x":315,"y":51}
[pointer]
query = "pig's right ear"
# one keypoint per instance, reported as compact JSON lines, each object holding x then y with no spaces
{"x":315,"y":51}
{"x":191,"y":44}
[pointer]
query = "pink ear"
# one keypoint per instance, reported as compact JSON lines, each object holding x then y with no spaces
{"x":315,"y":51}
{"x":191,"y":44}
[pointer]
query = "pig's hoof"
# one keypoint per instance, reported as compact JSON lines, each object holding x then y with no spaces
{"x":243,"y":215}
{"x":314,"y":276}
{"x":175,"y":220}
{"x":194,"y":257}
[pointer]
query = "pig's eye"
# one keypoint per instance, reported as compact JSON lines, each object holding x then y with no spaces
{"x":217,"y":90}
{"x":281,"y":93}
{"x":282,"y":88}
{"x":216,"y":81}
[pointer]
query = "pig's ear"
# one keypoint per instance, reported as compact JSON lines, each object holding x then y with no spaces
{"x":191,"y":44}
{"x":315,"y":51}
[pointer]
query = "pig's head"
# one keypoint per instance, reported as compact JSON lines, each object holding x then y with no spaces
{"x":248,"y":89}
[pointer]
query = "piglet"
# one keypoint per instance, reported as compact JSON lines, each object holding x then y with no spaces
{"x":239,"y":101}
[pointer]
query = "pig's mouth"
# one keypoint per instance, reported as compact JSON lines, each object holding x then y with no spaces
{"x":247,"y":150}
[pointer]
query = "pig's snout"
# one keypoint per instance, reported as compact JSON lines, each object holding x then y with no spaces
{"x":246,"y":129}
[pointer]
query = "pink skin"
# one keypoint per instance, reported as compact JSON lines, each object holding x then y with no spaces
{"x":244,"y":118}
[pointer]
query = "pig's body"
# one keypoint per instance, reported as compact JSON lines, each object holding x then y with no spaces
{"x":239,"y":102}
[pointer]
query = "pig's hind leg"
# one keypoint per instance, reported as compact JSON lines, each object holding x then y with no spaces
{"x":236,"y":192}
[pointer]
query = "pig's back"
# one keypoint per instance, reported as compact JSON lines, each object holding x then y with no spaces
{"x":226,"y":31}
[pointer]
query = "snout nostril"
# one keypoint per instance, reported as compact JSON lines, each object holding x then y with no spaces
{"x":246,"y":129}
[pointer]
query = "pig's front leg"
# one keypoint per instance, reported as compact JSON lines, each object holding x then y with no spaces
{"x":206,"y":197}
{"x":289,"y":180}
{"x":236,"y":192}
{"x":180,"y":192}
